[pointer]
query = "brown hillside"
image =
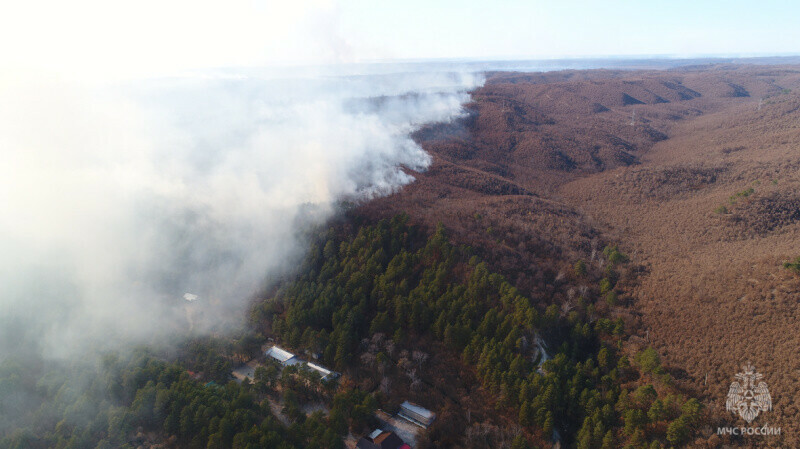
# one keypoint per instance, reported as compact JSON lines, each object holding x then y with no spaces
{"x":547,"y":165}
{"x":714,"y":294}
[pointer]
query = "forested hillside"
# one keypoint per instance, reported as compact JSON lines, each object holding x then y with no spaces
{"x":693,"y":171}
{"x":525,"y":289}
{"x":402,"y":314}
{"x":555,"y":371}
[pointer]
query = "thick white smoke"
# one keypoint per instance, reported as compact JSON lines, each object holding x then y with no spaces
{"x":116,"y":201}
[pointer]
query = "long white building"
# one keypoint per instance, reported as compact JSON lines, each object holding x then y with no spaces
{"x":416,"y":414}
{"x":286,"y":358}
{"x":282,"y":356}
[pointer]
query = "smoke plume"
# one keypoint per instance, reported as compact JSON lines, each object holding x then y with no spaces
{"x":146,"y":209}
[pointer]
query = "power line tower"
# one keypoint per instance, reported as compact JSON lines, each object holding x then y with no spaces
{"x":633,"y":118}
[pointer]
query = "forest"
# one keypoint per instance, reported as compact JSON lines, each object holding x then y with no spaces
{"x":390,"y":279}
{"x":591,"y":309}
{"x":375,"y":302}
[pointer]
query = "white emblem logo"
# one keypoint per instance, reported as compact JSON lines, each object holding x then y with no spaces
{"x":748,"y":395}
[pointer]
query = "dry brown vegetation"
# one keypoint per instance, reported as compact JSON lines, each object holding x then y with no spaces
{"x":549,"y":164}
{"x":715,"y":294}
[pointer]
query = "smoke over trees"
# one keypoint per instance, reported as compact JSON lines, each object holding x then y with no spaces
{"x":118,"y":200}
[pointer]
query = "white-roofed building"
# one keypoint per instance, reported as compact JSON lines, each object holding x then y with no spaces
{"x":282,"y":356}
{"x":416,"y":414}
{"x":324,"y":373}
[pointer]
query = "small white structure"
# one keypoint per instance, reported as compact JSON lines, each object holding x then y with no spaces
{"x":540,"y":351}
{"x":283,"y":356}
{"x":324,"y":373}
{"x":416,"y":414}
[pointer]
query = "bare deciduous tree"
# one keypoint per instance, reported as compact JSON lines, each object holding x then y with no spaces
{"x":386,"y":386}
{"x":419,"y":357}
{"x":368,"y":359}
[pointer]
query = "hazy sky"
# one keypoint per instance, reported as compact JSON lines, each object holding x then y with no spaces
{"x":103,"y":37}
{"x":507,"y":28}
